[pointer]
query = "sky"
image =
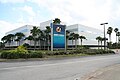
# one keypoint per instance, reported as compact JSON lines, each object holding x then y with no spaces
{"x":16,"y":13}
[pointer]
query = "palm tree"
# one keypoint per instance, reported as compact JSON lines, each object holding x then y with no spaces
{"x":98,"y":38}
{"x":109,"y":31}
{"x":47,"y":32}
{"x":56,"y":21}
{"x":67,"y":37}
{"x":35,"y":32}
{"x":106,"y":41}
{"x":81,"y":38}
{"x":43,"y":38}
{"x":72,"y":37}
{"x":118,"y":34}
{"x":116,"y":30}
{"x":11,"y":38}
{"x":8,"y":39}
{"x":101,"y":40}
{"x":30,"y":38}
{"x":4,"y":39}
{"x":76,"y":36}
{"x":1,"y":45}
{"x":39,"y":38}
{"x":19,"y":36}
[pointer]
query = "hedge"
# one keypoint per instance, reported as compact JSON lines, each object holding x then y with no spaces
{"x":22,"y":52}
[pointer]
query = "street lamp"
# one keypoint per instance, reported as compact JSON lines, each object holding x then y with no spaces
{"x":104,"y":34}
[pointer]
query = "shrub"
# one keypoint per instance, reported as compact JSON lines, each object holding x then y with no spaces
{"x":19,"y":52}
{"x":10,"y":54}
{"x":26,"y":45}
{"x":4,"y":54}
{"x":36,"y":54}
{"x":22,"y":51}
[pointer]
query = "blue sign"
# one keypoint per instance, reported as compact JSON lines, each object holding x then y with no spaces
{"x":58,"y":36}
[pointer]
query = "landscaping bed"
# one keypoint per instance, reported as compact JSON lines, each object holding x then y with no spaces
{"x":22,"y":53}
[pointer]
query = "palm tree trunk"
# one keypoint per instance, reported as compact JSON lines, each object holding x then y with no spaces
{"x":39,"y":44}
{"x":9,"y":45}
{"x":44,"y":43}
{"x":101,"y":44}
{"x":76,"y":43}
{"x":98,"y":44}
{"x":34,"y":44}
{"x":30,"y":43}
{"x":66,"y":44}
{"x":116,"y":39}
{"x":110,"y":38}
{"x":81,"y":42}
{"x":48,"y":43}
{"x":72,"y":44}
{"x":19,"y":43}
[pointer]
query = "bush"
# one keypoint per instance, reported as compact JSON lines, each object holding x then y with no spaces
{"x":59,"y":53}
{"x":36,"y":54}
{"x":19,"y":52}
{"x":12,"y":55}
{"x":26,"y":45}
{"x":9,"y":55}
{"x":22,"y":52}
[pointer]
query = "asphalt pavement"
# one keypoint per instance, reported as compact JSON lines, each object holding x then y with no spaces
{"x":107,"y":73}
{"x":56,"y":69}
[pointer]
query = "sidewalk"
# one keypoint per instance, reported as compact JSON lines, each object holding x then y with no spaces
{"x":108,"y":73}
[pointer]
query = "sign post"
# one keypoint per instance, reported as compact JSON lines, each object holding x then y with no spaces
{"x":58,"y":36}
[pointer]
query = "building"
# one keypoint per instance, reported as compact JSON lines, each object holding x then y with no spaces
{"x":24,"y":29}
{"x":89,"y":32}
{"x":47,"y":23}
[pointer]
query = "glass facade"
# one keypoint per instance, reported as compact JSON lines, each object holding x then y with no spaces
{"x":89,"y":32}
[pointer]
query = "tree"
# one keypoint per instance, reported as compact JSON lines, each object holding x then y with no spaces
{"x":81,"y":39}
{"x":1,"y":45}
{"x":47,"y":32}
{"x":10,"y":38}
{"x":116,"y":30}
{"x":19,"y":36}
{"x":4,"y":39}
{"x":30,"y":38}
{"x":56,"y":21}
{"x":118,"y":34}
{"x":99,"y":39}
{"x":43,"y":38}
{"x":72,"y":37}
{"x":35,"y":33}
{"x":109,"y":31}
{"x":76,"y":36}
{"x":39,"y":37}
{"x":67,"y":37}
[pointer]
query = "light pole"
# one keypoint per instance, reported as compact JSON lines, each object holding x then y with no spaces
{"x":104,"y":34}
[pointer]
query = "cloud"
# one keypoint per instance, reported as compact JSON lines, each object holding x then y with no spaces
{"x":87,"y":12}
{"x":28,"y":9}
{"x":12,"y":1}
{"x":7,"y":26}
{"x":27,"y":14}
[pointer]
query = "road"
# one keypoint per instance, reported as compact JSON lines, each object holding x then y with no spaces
{"x":56,"y":69}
